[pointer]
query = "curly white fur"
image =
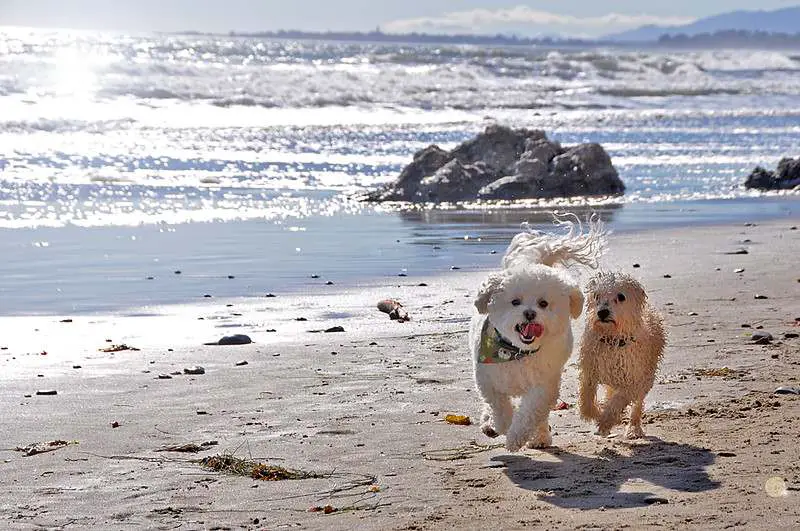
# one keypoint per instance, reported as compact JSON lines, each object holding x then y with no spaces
{"x":529,"y":290}
{"x":621,"y":347}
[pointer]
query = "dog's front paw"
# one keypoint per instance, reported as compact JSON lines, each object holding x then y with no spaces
{"x":514,"y":443}
{"x":634,"y":432}
{"x":542,"y":439}
{"x":489,"y":431}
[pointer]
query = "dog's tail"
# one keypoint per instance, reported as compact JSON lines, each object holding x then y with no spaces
{"x":574,"y":248}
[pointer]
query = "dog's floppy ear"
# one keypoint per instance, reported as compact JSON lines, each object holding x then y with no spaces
{"x":490,"y":286}
{"x":575,"y":302}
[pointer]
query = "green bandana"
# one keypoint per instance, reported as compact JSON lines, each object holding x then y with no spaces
{"x":496,"y":349}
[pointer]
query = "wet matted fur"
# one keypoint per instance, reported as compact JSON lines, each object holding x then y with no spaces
{"x":621,"y":347}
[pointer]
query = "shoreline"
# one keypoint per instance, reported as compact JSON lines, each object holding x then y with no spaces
{"x":368,"y":404}
{"x":100,"y":271}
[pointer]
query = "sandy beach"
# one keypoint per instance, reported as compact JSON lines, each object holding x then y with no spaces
{"x":362,"y":411}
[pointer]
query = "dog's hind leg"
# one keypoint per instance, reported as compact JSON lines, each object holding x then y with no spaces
{"x":497,"y":414}
{"x":530,"y":422}
{"x":635,"y":430}
{"x":612,"y":412}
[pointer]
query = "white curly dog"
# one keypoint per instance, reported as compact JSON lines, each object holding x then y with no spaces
{"x":521,"y":336}
{"x":620,"y":349}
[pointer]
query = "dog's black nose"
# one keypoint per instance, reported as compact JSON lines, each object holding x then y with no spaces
{"x":603,"y":313}
{"x":530,"y":315}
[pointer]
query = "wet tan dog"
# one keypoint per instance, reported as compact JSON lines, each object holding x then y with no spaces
{"x":621,"y":347}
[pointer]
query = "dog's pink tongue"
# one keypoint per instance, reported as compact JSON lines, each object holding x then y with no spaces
{"x":533,"y":330}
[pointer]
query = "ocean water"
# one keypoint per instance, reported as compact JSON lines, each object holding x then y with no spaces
{"x":126,"y":158}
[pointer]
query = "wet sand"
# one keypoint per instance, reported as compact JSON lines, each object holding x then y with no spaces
{"x":365,"y":407}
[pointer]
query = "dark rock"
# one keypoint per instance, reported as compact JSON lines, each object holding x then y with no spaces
{"x":270,"y":295}
{"x":47,"y":392}
{"x":506,"y":164}
{"x":790,"y":335}
{"x":163,"y":376}
{"x":761,"y":338}
{"x":195,"y":370}
{"x":738,"y":251}
{"x":236,"y":339}
{"x":334,"y":329}
{"x":785,"y":177}
{"x":760,"y":297}
{"x":636,"y":266}
{"x":241,"y":363}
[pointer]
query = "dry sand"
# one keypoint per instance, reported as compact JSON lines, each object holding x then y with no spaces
{"x":366,"y":407}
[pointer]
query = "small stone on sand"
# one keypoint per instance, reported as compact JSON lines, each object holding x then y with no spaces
{"x":760,"y":297}
{"x":334,"y":329}
{"x":241,"y":363}
{"x":195,"y":370}
{"x":761,"y":338}
{"x":236,"y":339}
{"x":46,"y":392}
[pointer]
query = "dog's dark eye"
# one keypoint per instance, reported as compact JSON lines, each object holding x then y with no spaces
{"x":516,"y":302}
{"x":543,"y":304}
{"x":620,"y":297}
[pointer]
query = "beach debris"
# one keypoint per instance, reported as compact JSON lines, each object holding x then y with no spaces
{"x":236,"y":339}
{"x":326,"y":509}
{"x":776,"y":487}
{"x":787,"y":390}
{"x":462,"y":452}
{"x":240,"y":363}
{"x":334,"y":329}
{"x":115,"y":424}
{"x":196,"y":370}
{"x":118,"y":348}
{"x":43,"y":447}
{"x":721,"y":372}
{"x":761,"y":338}
{"x":458,"y":420}
{"x":394,"y":309}
{"x":561,"y":406}
{"x":189,"y":448}
{"x":738,"y":251}
{"x":46,"y":392}
{"x":760,"y":297}
{"x":230,"y":464}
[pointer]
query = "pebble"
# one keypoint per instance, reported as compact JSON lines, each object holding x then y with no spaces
{"x":454,"y":268}
{"x":329,"y":283}
{"x":314,"y":276}
{"x":739,"y":270}
{"x":790,"y":335}
{"x":667,"y":276}
{"x":745,"y":325}
{"x":177,"y":272}
{"x":761,"y":338}
{"x":301,"y":319}
{"x":787,"y":390}
{"x":402,"y":275}
{"x":150,"y":278}
{"x":636,"y":266}
{"x":241,"y":363}
{"x":207,"y":296}
{"x":270,"y":295}
{"x":46,"y":392}
{"x":739,"y":251}
{"x":236,"y":339}
{"x":692,"y":314}
{"x":231,"y":277}
{"x":422,"y":285}
{"x":334,"y":329}
{"x":163,"y":376}
{"x":726,"y":454}
{"x":65,"y":321}
{"x":492,"y":252}
{"x":759,"y":297}
{"x":196,"y":369}
{"x":76,"y":367}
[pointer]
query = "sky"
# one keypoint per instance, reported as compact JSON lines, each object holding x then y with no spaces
{"x":584,"y":18}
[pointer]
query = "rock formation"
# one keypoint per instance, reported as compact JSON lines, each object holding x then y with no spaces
{"x":504,"y":163}
{"x":786,"y":177}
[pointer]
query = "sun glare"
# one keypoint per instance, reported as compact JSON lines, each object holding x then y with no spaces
{"x":75,"y":73}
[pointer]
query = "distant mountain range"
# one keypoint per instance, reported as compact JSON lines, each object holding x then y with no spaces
{"x":785,"y":20}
